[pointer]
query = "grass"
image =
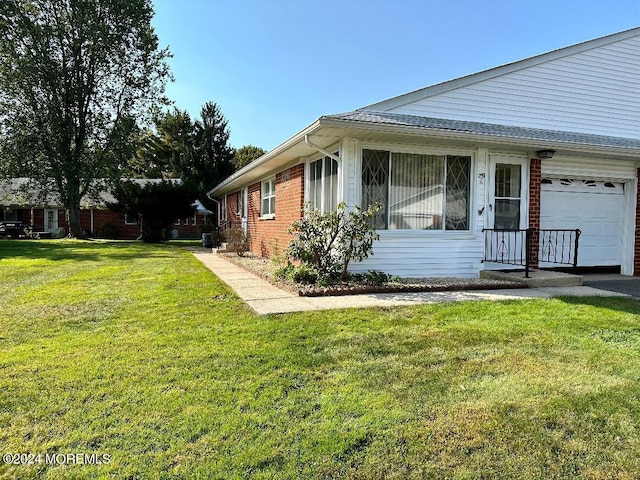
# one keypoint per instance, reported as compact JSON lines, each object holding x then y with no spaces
{"x":139,"y":352}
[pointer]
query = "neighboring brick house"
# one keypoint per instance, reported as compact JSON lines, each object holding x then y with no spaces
{"x":47,"y":215}
{"x":468,"y":172}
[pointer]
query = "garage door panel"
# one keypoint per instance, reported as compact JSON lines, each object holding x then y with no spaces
{"x":596,"y":208}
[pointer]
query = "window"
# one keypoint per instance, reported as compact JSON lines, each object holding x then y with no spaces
{"x":129,"y":221}
{"x":323,"y":184}
{"x":268,"y":196}
{"x":11,"y":215}
{"x":417,"y":191}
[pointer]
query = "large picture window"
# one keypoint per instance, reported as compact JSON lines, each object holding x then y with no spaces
{"x":417,"y":191}
{"x":323,"y":184}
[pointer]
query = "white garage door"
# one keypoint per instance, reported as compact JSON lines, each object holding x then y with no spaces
{"x":595,"y":207}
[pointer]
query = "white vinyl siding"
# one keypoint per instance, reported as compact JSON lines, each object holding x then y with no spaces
{"x":413,"y":253}
{"x":595,"y":91}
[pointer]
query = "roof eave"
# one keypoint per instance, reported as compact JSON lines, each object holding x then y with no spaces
{"x":445,"y":134}
{"x":242,"y":176}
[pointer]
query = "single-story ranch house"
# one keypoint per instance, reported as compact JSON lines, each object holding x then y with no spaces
{"x":540,"y":152}
{"x":19,"y":202}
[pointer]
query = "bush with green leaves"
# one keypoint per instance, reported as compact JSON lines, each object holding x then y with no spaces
{"x":328,"y":242}
{"x":296,"y":274}
{"x":378,"y":278}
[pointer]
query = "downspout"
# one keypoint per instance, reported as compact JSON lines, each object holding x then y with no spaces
{"x":218,"y":207}
{"x":217,"y":241}
{"x":322,"y":150}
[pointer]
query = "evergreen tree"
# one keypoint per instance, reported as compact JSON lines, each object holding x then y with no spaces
{"x":154,"y":205}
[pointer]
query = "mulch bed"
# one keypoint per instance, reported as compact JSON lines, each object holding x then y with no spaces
{"x":265,"y":269}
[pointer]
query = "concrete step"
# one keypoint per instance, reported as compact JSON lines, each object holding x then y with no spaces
{"x":537,"y":278}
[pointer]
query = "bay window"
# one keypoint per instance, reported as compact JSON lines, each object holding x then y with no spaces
{"x":417,"y":191}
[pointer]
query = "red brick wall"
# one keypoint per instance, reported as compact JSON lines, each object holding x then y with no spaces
{"x":636,"y":249}
{"x":535,"y":178}
{"x":186,"y":228}
{"x":266,"y":234}
{"x":233,"y":207}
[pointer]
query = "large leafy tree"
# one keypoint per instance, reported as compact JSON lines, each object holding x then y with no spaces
{"x":75,"y":78}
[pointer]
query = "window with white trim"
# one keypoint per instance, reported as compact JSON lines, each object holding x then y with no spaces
{"x":417,"y":191}
{"x":323,"y":184}
{"x":129,"y":221}
{"x":268,"y":197}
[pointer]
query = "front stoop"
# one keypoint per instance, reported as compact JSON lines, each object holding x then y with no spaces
{"x":537,"y":278}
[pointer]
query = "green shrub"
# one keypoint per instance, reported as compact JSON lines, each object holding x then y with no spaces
{"x":300,"y":274}
{"x":327,"y":242}
{"x":108,"y":230}
{"x":376,"y":277}
{"x":304,"y":274}
{"x":285,"y":272}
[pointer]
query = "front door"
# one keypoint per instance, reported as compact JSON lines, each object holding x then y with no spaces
{"x":508,"y":187}
{"x":50,"y":221}
{"x":505,"y":241}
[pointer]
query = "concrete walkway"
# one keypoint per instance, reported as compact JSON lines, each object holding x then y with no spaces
{"x":264,"y":298}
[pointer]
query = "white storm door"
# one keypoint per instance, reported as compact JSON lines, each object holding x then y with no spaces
{"x":508,"y":193}
{"x":244,"y":207}
{"x":507,"y":212}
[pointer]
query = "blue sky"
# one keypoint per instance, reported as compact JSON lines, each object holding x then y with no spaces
{"x":275,"y":66}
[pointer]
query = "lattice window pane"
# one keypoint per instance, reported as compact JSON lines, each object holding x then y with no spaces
{"x":375,"y":176}
{"x":458,"y":191}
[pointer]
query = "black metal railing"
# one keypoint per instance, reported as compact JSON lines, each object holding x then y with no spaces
{"x":517,"y":247}
{"x":558,"y":246}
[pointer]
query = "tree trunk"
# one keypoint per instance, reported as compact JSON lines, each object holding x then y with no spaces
{"x":75,"y":229}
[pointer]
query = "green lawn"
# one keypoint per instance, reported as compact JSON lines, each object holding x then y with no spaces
{"x":140,"y":353}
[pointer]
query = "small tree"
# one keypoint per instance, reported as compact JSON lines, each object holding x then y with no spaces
{"x":155,"y":206}
{"x":328,"y":242}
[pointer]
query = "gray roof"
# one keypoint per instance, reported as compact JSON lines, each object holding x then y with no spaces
{"x":488,"y":129}
{"x":22,"y":192}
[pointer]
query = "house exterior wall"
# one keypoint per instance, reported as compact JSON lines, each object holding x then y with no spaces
{"x":268,"y":234}
{"x":234,"y":215}
{"x":535,"y":177}
{"x":185,"y":228}
{"x":422,"y":253}
{"x":594,"y":91}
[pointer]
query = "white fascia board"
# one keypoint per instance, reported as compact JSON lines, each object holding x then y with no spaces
{"x":498,"y":71}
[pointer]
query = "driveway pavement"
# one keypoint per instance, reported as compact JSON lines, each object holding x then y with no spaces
{"x":614,"y":283}
{"x":264,"y":298}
